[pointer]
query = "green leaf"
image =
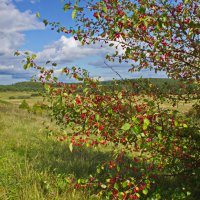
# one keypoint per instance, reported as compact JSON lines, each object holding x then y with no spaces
{"x":71,"y":147}
{"x":124,"y":184}
{"x":98,"y":170}
{"x":16,"y":53}
{"x":146,"y":123}
{"x":160,"y":136}
{"x":38,"y":14}
{"x":176,"y":123}
{"x":116,"y":186}
{"x":34,"y":56}
{"x":142,"y":10}
{"x":159,"y":128}
{"x":103,"y":186}
{"x":136,"y":130}
{"x":138,"y":195}
{"x":55,"y":79}
{"x":126,"y":127}
{"x":135,"y":120}
{"x":74,"y":13}
{"x":46,"y":87}
{"x":104,"y":8}
{"x":45,"y":22}
{"x":25,"y":66}
{"x":185,"y":125}
{"x":66,"y":6}
{"x":110,"y":111}
{"x":188,"y":193}
{"x":146,"y":23}
{"x":119,"y":95}
{"x":145,"y":191}
{"x":97,"y":117}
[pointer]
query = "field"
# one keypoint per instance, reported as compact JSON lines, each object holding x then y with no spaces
{"x":34,"y":165}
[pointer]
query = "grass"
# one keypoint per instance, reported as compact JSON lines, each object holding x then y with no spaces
{"x":34,"y":166}
{"x":17,"y":97}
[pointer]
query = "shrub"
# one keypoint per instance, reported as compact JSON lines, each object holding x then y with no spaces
{"x":24,"y":105}
{"x":12,"y":97}
{"x":39,"y":108}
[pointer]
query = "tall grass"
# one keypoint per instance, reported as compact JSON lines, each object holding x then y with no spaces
{"x":34,"y":166}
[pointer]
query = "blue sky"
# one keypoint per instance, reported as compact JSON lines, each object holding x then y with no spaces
{"x":20,"y":29}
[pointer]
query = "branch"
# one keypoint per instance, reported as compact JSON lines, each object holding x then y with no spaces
{"x":113,"y":70}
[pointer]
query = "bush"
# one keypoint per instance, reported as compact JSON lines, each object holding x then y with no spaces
{"x":20,"y":97}
{"x":35,"y":95}
{"x":24,"y":105}
{"x":39,"y":108}
{"x":12,"y":97}
{"x":194,"y":112}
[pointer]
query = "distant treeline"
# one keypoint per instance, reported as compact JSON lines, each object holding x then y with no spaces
{"x":161,"y":85}
{"x":22,"y":86}
{"x":164,"y":85}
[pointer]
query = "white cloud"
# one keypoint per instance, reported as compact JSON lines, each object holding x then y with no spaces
{"x":31,"y":1}
{"x":13,"y":23}
{"x":67,"y":50}
{"x":70,"y":51}
{"x":10,"y":42}
{"x":12,"y":20}
{"x":10,"y":67}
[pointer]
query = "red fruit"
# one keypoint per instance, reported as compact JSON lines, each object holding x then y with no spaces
{"x":92,"y":117}
{"x":78,"y":101}
{"x":136,"y":160}
{"x":96,"y":15}
{"x":101,"y":127}
{"x":129,"y":183}
{"x":124,"y":196}
{"x":138,"y":108}
{"x":83,"y":115}
{"x":120,"y":13}
{"x":144,"y":28}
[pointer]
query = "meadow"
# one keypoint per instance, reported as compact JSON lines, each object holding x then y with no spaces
{"x":35,"y":165}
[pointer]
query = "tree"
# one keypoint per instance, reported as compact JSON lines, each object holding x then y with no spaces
{"x":150,"y":143}
{"x":155,"y":34}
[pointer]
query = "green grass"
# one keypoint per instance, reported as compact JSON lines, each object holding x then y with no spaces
{"x":34,"y":166}
{"x":17,"y":97}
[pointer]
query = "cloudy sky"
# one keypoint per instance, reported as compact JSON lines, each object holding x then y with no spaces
{"x":20,"y":29}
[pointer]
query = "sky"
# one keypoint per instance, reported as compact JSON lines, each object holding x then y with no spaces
{"x":21,"y":30}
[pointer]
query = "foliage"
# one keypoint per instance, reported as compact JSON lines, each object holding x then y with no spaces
{"x":148,"y":142}
{"x":22,"y":86}
{"x":39,"y":108}
{"x":24,"y":105}
{"x":20,"y":97}
{"x":155,"y":34}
